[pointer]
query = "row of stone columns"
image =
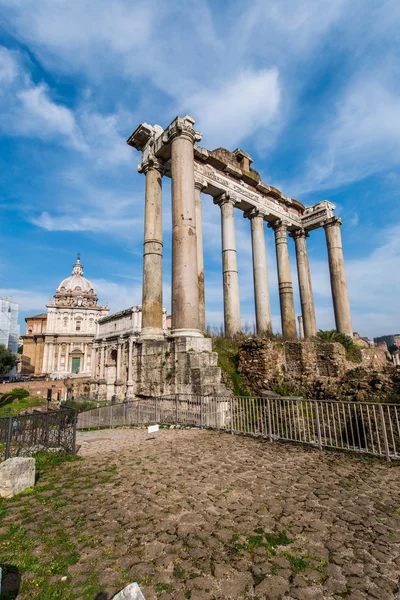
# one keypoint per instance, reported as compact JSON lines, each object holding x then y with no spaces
{"x":260,"y":275}
{"x":188,"y":308}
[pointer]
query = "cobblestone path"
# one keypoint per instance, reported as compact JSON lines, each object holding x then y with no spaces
{"x":196,"y":515}
{"x":208,"y":515}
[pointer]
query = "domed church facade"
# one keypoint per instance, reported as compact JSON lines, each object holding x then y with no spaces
{"x":71,"y":326}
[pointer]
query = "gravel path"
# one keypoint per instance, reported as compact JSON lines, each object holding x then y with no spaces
{"x":201,"y":515}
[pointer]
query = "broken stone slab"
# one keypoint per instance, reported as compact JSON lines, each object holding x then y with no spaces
{"x":130,"y":592}
{"x":16,"y":475}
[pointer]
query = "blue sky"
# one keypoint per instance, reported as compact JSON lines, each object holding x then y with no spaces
{"x":310,"y":89}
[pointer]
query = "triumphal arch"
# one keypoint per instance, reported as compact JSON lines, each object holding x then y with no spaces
{"x":186,"y":357}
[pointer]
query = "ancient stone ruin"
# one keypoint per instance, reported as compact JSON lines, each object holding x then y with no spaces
{"x":182,"y":360}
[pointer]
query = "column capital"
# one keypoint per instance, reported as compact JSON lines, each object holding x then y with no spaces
{"x":200,"y":184}
{"x":279,"y":225}
{"x":333,"y":221}
{"x":299,"y":233}
{"x":151,"y":163}
{"x":182,"y":127}
{"x":253,"y":212}
{"x":224,"y":198}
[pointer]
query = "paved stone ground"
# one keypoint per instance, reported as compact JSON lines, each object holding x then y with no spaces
{"x":206,"y":515}
{"x":205,"y":512}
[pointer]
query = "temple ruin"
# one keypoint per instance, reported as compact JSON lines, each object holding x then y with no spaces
{"x":229,"y":178}
{"x":180,"y":360}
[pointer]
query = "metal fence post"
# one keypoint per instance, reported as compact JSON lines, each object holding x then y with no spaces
{"x":124,"y":413}
{"x":8,"y":441}
{"x":385,"y":439}
{"x":155,"y":409}
{"x":231,"y":410}
{"x":318,"y":425}
{"x":201,"y":411}
{"x":74,"y":432}
{"x":176,"y":410}
{"x":269,"y":419}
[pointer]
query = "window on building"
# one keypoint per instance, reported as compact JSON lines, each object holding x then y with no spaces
{"x":65,"y":321}
{"x":78,"y":325}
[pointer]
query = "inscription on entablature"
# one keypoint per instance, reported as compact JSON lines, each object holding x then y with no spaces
{"x":240,"y":193}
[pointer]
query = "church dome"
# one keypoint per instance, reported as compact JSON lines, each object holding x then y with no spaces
{"x":76,"y":282}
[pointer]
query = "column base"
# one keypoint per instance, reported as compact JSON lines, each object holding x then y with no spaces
{"x":178,"y":333}
{"x":151,"y":333}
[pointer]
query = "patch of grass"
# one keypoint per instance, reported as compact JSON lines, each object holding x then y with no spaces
{"x":45,"y":460}
{"x":179,"y":573}
{"x":269,"y":541}
{"x":17,"y":405}
{"x":163,"y":587}
{"x":228,"y":361}
{"x":297,"y":563}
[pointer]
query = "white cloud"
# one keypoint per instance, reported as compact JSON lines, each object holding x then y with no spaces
{"x":39,"y":116}
{"x":71,"y":222}
{"x":238,"y":108}
{"x":27,"y":299}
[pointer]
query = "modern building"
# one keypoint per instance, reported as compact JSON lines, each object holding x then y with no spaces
{"x":71,"y":326}
{"x":9,"y":327}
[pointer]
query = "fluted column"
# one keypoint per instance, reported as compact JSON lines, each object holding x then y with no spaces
{"x":198,"y":186}
{"x":260,"y":272}
{"x":305,"y":286}
{"x":229,"y":266}
{"x":286,"y":300}
{"x":185,"y":286}
{"x":340,"y":295}
{"x":152,"y":251}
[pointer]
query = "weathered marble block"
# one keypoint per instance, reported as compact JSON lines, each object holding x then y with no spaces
{"x":130,"y":592}
{"x":16,"y":475}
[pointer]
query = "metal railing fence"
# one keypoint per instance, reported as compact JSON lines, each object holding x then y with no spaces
{"x":363,"y":427}
{"x":23,"y":435}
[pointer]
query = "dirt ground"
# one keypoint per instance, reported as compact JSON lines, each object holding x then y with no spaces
{"x":207,"y":515}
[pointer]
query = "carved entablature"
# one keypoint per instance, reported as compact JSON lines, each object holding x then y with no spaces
{"x":315,"y":216}
{"x":245,"y":198}
{"x":221,"y":171}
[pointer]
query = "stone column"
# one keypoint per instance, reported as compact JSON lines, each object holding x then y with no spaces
{"x":185,"y":286}
{"x":229,"y":266}
{"x":67,"y":358}
{"x":340,"y":296}
{"x":93,"y":362}
{"x":45,"y":357}
{"x":85,"y":354}
{"x":152,"y":251}
{"x":102,"y":357}
{"x":198,"y":186}
{"x":305,"y":287}
{"x":260,"y":272}
{"x":286,"y":300}
{"x":119,"y":350}
{"x":50,"y":357}
{"x":129,"y":384}
{"x":59,"y":346}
